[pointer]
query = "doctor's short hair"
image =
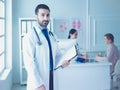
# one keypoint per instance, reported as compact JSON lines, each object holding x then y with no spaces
{"x":41,"y":6}
{"x":109,"y":36}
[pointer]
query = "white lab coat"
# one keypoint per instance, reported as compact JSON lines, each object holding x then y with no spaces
{"x":36,"y":59}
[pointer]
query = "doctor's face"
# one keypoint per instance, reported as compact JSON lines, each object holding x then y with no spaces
{"x":43,"y":17}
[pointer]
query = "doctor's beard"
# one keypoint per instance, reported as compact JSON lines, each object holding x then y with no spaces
{"x":44,"y":23}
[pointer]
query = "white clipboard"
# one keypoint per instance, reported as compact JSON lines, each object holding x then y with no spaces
{"x":69,"y":55}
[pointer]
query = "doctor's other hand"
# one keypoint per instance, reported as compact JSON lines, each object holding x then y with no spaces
{"x":42,"y":87}
{"x":65,"y":63}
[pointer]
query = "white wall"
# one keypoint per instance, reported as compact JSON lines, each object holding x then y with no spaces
{"x":104,"y":17}
{"x":89,"y":10}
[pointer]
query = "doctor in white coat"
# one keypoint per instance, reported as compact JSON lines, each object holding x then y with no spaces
{"x":37,"y":52}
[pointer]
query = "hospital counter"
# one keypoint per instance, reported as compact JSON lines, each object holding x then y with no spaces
{"x":83,"y":76}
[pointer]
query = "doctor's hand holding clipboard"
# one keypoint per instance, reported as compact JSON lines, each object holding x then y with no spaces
{"x":67,"y":57}
{"x":65,"y":63}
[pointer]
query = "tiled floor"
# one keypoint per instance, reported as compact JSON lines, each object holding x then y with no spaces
{"x":116,"y":87}
{"x":19,"y":87}
{"x":23,"y":87}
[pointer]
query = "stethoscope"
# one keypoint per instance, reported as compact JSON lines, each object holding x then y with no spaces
{"x":39,"y":42}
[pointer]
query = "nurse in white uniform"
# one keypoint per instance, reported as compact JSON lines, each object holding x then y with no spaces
{"x":38,"y":52}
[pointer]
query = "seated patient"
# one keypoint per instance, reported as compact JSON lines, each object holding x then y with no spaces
{"x":73,"y":33}
{"x":112,"y":54}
